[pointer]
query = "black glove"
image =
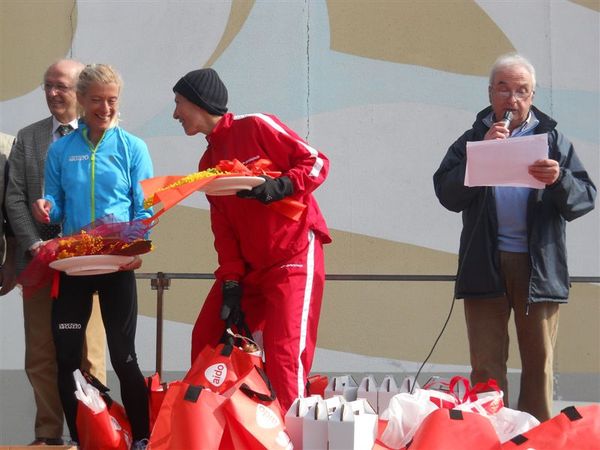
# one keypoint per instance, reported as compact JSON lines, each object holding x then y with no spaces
{"x":271,"y":190}
{"x":231,"y":310}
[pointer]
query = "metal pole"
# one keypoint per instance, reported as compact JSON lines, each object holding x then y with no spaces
{"x":160,"y":281}
{"x":159,"y":284}
{"x":348,"y":277}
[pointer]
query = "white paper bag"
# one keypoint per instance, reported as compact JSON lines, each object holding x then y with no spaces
{"x":367,"y":389}
{"x":353,"y":426}
{"x":294,"y":418}
{"x":342,"y":385}
{"x":314,"y":424}
{"x":387,"y":390}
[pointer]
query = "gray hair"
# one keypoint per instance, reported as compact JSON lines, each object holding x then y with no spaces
{"x":509,"y":60}
{"x":69,"y":66}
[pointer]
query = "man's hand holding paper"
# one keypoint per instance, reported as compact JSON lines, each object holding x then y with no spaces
{"x":520,"y":161}
{"x":545,"y":170}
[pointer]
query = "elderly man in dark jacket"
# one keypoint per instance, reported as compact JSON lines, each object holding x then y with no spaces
{"x":512,"y":253}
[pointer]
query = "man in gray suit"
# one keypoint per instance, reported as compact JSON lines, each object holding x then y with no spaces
{"x":25,"y":185}
{"x":8,"y":278}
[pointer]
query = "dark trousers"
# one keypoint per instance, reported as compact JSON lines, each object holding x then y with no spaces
{"x":40,"y":358}
{"x":70,"y":314}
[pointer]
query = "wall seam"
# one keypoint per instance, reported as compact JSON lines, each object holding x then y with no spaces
{"x":72,"y":28}
{"x":307,"y":3}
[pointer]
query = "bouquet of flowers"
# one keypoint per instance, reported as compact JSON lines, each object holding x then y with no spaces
{"x":172,"y":189}
{"x":103,"y":237}
{"x":86,"y":244}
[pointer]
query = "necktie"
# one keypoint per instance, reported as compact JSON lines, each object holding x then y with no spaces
{"x":63,"y":130}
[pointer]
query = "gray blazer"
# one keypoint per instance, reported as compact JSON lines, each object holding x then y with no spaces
{"x":25,"y":185}
{"x":6,"y":142}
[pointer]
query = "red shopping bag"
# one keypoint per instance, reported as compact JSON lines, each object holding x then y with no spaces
{"x":254,"y":417}
{"x":226,"y":440}
{"x":191,"y":417}
{"x":156,"y":394}
{"x":316,"y":384}
{"x":221,"y":367}
{"x":458,"y":391}
{"x":451,"y":429}
{"x":574,"y":428}
{"x":108,"y":429}
{"x":101,"y":423}
{"x":483,"y":398}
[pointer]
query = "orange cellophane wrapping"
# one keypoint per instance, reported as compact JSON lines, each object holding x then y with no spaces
{"x":159,"y":189}
{"x":102,"y":237}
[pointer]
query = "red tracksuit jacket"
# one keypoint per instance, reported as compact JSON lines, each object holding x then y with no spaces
{"x":248,"y":235}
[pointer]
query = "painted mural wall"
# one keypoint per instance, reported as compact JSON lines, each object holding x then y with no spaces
{"x":382,"y":87}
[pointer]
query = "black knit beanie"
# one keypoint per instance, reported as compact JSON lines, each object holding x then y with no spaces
{"x":204,"y":88}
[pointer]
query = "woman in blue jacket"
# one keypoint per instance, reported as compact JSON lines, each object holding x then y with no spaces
{"x":90,"y":174}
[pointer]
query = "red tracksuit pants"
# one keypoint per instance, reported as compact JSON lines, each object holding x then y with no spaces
{"x":283,"y":303}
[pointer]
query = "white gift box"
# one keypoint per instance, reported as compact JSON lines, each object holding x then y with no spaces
{"x":342,"y":385}
{"x":367,"y":389}
{"x":314,"y":425}
{"x":352,"y":426}
{"x":333,"y":403}
{"x":294,"y":418}
{"x":387,"y":390}
{"x":408,"y":385}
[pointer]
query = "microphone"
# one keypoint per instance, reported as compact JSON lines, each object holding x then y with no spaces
{"x":507,"y":118}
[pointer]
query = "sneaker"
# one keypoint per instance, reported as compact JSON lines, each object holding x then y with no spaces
{"x":140,"y":445}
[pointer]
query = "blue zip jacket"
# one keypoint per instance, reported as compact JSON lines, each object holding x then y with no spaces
{"x":85,"y":183}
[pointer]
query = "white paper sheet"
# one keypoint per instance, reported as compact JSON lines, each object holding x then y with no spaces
{"x":504,"y":162}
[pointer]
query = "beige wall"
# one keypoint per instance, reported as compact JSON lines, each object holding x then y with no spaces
{"x":396,"y":320}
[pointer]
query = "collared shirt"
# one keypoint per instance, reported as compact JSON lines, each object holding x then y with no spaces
{"x":511,"y":202}
{"x":55,"y":124}
{"x":525,"y":129}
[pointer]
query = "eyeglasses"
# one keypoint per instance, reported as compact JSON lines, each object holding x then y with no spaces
{"x":519,"y":95}
{"x":62,"y":88}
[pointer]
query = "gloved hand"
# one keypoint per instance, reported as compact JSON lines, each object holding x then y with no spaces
{"x":231,"y":309}
{"x":271,"y":190}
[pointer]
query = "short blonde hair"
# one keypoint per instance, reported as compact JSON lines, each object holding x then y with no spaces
{"x":98,"y":73}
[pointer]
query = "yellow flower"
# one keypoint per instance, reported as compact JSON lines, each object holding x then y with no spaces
{"x":84,"y":244}
{"x":78,"y":245}
{"x":150,"y":201}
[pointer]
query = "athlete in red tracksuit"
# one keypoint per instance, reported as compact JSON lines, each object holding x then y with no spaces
{"x":270,"y":262}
